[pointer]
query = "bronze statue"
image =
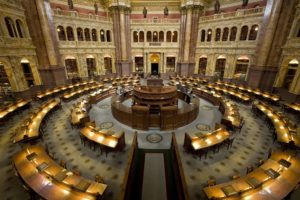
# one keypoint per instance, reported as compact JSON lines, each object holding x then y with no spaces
{"x":96,"y":8}
{"x":166,"y":11}
{"x":145,"y":12}
{"x":70,"y":3}
{"x":245,"y":3}
{"x":217,"y":6}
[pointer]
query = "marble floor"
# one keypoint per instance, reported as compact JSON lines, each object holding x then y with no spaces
{"x":250,"y":146}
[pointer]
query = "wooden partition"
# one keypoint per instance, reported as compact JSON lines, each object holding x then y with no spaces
{"x":127,"y":180}
{"x":140,"y":117}
{"x":182,"y":188}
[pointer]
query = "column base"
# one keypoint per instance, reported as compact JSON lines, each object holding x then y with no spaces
{"x":185,"y":68}
{"x":262,"y":77}
{"x":53,"y":76}
{"x":123,"y":68}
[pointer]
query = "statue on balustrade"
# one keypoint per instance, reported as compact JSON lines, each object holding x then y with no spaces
{"x":217,"y":7}
{"x":70,"y":3}
{"x":166,"y":11}
{"x":96,"y":8}
{"x":245,"y":3}
{"x":145,"y":12}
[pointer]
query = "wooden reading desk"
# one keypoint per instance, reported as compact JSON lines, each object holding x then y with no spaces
{"x":51,"y":181}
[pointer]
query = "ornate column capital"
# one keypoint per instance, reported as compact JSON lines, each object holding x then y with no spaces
{"x":124,"y":8}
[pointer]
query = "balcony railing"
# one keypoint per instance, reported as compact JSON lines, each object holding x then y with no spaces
{"x":238,"y":13}
{"x":85,"y":44}
{"x":154,"y":21}
{"x":74,"y":14}
{"x":15,"y":42}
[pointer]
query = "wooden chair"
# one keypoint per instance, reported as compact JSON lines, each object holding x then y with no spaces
{"x":104,"y":149}
{"x":211,"y":182}
{"x":249,"y":169}
{"x":63,"y":164}
{"x":235,"y":176}
{"x":76,"y":172}
{"x":229,"y":143}
{"x":99,"y":179}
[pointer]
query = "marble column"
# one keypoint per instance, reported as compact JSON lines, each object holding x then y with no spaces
{"x":188,"y":35}
{"x":272,"y":36}
{"x":295,"y":87}
{"x":43,"y":33}
{"x":121,"y":29}
{"x":18,"y":73}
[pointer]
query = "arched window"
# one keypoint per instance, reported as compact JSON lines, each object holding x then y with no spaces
{"x":71,"y":67}
{"x":102,"y":36}
{"x":94,"y":35}
{"x":225,"y":34}
{"x":61,"y":33}
{"x":290,"y":74}
{"x":253,"y":32}
{"x":87,"y":34}
{"x":108,"y":39}
{"x":70,"y":33}
{"x":220,"y":67}
{"x":241,"y":68}
{"x":149,"y":36}
{"x":4,"y":79}
{"x":174,"y":36}
{"x":135,"y":36}
{"x":161,"y":36}
{"x":218,"y":34}
{"x":20,"y":28}
{"x":202,"y":65}
{"x":27,"y":72}
{"x":233,"y":33}
{"x":298,"y":34}
{"x":169,"y":36}
{"x":141,"y":36}
{"x":80,"y":34}
{"x":10,"y":26}
{"x":155,"y":36}
{"x":209,"y":33}
{"x":244,"y":33}
{"x":203,"y":36}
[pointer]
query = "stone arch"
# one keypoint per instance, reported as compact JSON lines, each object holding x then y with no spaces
{"x":10,"y":74}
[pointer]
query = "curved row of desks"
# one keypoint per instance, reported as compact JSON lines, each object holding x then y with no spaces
{"x":107,"y":138}
{"x":73,"y":94}
{"x":188,"y":80}
{"x":292,"y":106}
{"x":231,"y":116}
{"x":79,"y":112}
{"x":56,"y":90}
{"x":51,"y":181}
{"x":257,"y":92}
{"x":197,"y":142}
{"x":235,"y":94}
{"x":274,"y":179}
{"x":286,"y":132}
{"x":8,"y":110}
{"x":31,"y":128}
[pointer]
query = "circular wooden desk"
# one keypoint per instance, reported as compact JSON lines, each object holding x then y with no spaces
{"x":169,"y":117}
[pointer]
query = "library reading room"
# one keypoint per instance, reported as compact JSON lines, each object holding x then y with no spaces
{"x":149,"y":99}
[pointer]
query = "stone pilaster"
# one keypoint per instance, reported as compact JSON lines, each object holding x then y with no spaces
{"x":40,"y":23}
{"x":121,"y":29}
{"x":188,"y":35}
{"x":273,"y":34}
